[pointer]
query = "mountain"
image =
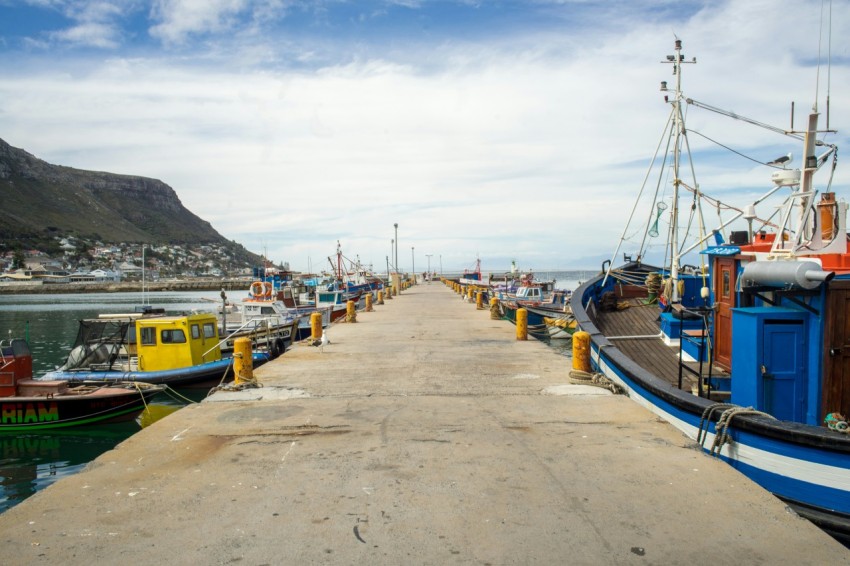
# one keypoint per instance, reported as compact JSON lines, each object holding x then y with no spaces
{"x":40,"y":200}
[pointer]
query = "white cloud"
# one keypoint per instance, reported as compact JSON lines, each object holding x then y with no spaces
{"x":531,"y":150}
{"x":95,"y":24}
{"x":181,"y":18}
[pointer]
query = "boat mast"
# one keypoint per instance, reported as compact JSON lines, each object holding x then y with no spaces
{"x":677,"y":60}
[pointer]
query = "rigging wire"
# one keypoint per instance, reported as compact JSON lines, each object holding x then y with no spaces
{"x":729,"y":114}
{"x":732,"y":150}
{"x":640,"y":193}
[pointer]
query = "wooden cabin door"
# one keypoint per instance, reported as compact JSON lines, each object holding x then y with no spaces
{"x":724,"y":298}
{"x":836,"y":370}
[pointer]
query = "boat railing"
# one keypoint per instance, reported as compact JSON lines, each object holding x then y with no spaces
{"x":701,"y":339}
{"x":256,"y":325}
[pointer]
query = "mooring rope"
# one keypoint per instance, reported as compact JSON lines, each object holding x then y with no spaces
{"x":709,"y":411}
{"x":721,"y":429}
{"x":138,"y":387}
{"x":171,"y":392}
{"x":579,"y":377}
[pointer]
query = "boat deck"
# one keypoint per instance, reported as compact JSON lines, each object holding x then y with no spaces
{"x":649,"y":351}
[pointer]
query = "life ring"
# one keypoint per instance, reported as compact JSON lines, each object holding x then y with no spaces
{"x":267,"y":289}
{"x":256,"y":289}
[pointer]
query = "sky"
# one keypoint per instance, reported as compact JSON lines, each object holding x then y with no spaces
{"x":493,"y":130}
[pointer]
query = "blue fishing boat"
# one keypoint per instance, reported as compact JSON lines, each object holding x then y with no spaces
{"x":749,"y":353}
{"x":149,"y":347}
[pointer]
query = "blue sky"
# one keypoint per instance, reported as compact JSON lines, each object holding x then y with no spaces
{"x":500,"y":130}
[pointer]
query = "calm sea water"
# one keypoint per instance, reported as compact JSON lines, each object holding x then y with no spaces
{"x":30,"y":462}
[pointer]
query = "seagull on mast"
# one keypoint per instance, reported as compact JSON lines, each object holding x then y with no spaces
{"x":783,"y":161}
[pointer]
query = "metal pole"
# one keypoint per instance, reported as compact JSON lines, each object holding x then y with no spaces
{"x":413,"y":264}
{"x":429,"y":266}
{"x":396,"y":245}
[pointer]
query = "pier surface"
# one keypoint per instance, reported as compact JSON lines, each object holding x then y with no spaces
{"x":425,"y":433}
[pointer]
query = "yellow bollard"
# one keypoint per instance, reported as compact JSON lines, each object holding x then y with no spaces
{"x":389,"y":294}
{"x":350,"y":311}
{"x":581,"y":351}
{"x":469,"y":292}
{"x":369,"y":302}
{"x":521,"y":324}
{"x":479,"y":300}
{"x":395,"y":290}
{"x":494,"y":309}
{"x":380,"y":297}
{"x":243,"y":361}
{"x":316,"y":326}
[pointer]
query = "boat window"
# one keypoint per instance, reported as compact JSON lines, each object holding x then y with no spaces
{"x":726,"y":292}
{"x":196,"y":332}
{"x":267,"y":310}
{"x":148,"y":336}
{"x":209,"y":330}
{"x":173,"y":336}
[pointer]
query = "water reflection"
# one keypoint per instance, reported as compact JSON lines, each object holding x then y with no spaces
{"x":31,"y":462}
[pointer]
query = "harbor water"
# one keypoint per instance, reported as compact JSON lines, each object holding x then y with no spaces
{"x":30,"y":462}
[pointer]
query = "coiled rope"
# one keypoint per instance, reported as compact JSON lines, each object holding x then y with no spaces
{"x":496,"y":311}
{"x":579,"y":377}
{"x":653,"y":283}
{"x":837,"y":422}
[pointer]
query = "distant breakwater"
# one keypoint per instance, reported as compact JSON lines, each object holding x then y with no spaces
{"x":199,"y":284}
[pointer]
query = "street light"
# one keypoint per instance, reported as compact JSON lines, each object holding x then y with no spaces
{"x":428,"y":278}
{"x":396,"y":245}
{"x":441,"y":265}
{"x":413,"y":264}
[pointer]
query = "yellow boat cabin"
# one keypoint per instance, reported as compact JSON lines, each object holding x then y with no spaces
{"x":167,"y":342}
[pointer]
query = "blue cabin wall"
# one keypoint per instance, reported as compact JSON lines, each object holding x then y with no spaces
{"x":813,"y":329}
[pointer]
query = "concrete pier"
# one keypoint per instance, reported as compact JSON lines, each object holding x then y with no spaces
{"x":423,"y":434}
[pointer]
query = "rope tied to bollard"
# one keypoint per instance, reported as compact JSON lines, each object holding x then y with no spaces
{"x":596,"y":379}
{"x":243,"y":378}
{"x":495,"y":310}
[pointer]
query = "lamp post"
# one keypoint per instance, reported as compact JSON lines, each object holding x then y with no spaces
{"x":428,"y":278}
{"x":396,"y":246}
{"x":441,"y":265}
{"x":413,"y":264}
